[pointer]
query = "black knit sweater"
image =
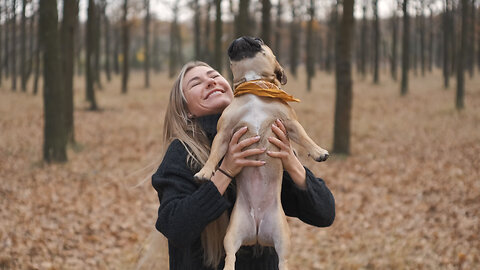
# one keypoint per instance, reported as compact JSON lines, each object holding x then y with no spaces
{"x":186,"y":207}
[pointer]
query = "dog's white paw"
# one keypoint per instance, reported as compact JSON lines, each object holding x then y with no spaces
{"x":204,"y":174}
{"x":319,"y":154}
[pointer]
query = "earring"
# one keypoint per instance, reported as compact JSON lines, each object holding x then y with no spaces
{"x":190,"y":116}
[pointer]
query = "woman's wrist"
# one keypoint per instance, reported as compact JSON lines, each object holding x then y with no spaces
{"x":297,"y":173}
{"x":221,"y":181}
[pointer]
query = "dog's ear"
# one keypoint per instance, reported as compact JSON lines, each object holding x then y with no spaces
{"x":281,"y":76}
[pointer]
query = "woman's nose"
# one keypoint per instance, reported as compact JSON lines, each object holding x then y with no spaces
{"x":211,"y":82}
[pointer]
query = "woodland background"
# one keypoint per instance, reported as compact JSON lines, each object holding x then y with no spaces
{"x":83,"y":96}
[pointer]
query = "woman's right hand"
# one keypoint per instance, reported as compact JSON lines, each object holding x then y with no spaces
{"x":236,"y":158}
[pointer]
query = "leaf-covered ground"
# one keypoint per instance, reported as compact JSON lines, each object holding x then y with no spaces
{"x":408,"y":196}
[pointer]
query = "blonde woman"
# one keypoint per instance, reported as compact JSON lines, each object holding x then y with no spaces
{"x":194,"y":216}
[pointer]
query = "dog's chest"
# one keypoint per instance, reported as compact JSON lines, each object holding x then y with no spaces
{"x":257,"y":111}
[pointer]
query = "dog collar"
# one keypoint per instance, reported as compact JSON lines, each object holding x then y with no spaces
{"x":263,"y":89}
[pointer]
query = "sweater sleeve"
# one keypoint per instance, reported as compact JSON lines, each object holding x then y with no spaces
{"x":314,"y":205}
{"x":186,"y":207}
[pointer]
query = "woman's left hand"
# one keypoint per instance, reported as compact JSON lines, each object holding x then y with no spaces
{"x":285,"y":153}
{"x":289,"y":160}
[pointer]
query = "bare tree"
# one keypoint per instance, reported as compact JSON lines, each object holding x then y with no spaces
{"x":218,"y":36}
{"x":7,"y":39}
{"x":55,"y":139}
{"x":23,"y":46}
{"x":278,"y":31}
{"x":70,"y":14}
{"x":126,"y":48}
{"x":13,"y":24}
{"x":376,"y":42}
{"x":196,"y":29}
{"x":363,"y":40}
{"x":90,"y":55}
{"x":405,"y":49}
{"x":242,"y":20}
{"x":343,"y":79}
{"x":310,"y":57}
{"x":461,"y":58}
{"x":446,"y":44}
{"x":393,"y":67}
{"x":147,"y":43}
{"x":1,"y":43}
{"x":266,"y":22}
{"x":294,"y":39}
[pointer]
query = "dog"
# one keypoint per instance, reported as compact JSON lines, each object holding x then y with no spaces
{"x":257,"y":216}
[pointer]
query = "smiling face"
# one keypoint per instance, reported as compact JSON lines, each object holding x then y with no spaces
{"x":206,"y":91}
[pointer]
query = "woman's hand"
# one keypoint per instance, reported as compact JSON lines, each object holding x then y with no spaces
{"x":289,"y":160}
{"x":236,"y":158}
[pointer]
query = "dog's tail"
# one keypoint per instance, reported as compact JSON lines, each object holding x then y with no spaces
{"x":154,"y":253}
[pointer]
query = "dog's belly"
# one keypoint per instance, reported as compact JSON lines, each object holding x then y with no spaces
{"x":259,"y":188}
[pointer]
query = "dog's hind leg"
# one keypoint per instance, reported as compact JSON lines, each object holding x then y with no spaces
{"x":241,"y":230}
{"x":297,"y":134}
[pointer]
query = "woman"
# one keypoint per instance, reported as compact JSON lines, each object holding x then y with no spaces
{"x":194,"y":216}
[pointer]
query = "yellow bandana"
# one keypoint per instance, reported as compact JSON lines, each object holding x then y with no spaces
{"x":263,"y":89}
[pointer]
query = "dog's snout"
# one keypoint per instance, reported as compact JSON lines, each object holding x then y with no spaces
{"x":244,"y":47}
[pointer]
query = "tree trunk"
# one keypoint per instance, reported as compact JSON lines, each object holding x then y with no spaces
{"x":343,"y":79}
{"x":196,"y":30}
{"x":310,"y":57}
{"x":461,"y":58}
{"x":242,"y":20}
{"x":126,"y":48}
{"x":147,"y":44}
{"x":363,"y":40}
{"x":294,"y":41}
{"x":1,"y":44}
{"x":37,"y":58}
{"x":278,"y":32}
{"x":405,"y":49}
{"x":90,"y":55}
{"x":430,"y":40}
{"x":14,"y":46}
{"x":55,"y":139}
{"x":7,"y":39}
{"x":266,"y":22}
{"x":106,"y":23}
{"x":175,"y":43}
{"x":207,"y":49}
{"x":376,"y":30}
{"x":393,"y":67}
{"x":23,"y":47}
{"x":116,"y":39}
{"x":422,"y":37}
{"x":218,"y":52}
{"x":471,"y":38}
{"x":446,"y":45}
{"x":98,"y":35}
{"x":70,"y":13}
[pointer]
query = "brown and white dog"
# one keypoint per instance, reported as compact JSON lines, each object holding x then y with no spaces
{"x":258,"y":216}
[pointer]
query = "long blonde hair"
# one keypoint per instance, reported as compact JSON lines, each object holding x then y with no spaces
{"x":178,"y":125}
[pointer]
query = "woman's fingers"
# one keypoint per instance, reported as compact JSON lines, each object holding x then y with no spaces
{"x":247,"y":142}
{"x":252,"y":152}
{"x":281,"y":126}
{"x":251,"y":163}
{"x":278,"y":143}
{"x":236,"y":136}
{"x":279,"y":132}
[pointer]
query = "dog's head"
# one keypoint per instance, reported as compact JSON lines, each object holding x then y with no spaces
{"x":251,"y":59}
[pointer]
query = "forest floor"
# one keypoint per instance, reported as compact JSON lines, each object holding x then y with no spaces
{"x":408,"y":196}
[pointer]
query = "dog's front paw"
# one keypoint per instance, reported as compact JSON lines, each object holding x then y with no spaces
{"x":204,"y":174}
{"x":319,"y":154}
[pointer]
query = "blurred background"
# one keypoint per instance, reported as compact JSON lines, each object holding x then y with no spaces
{"x":390,"y":87}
